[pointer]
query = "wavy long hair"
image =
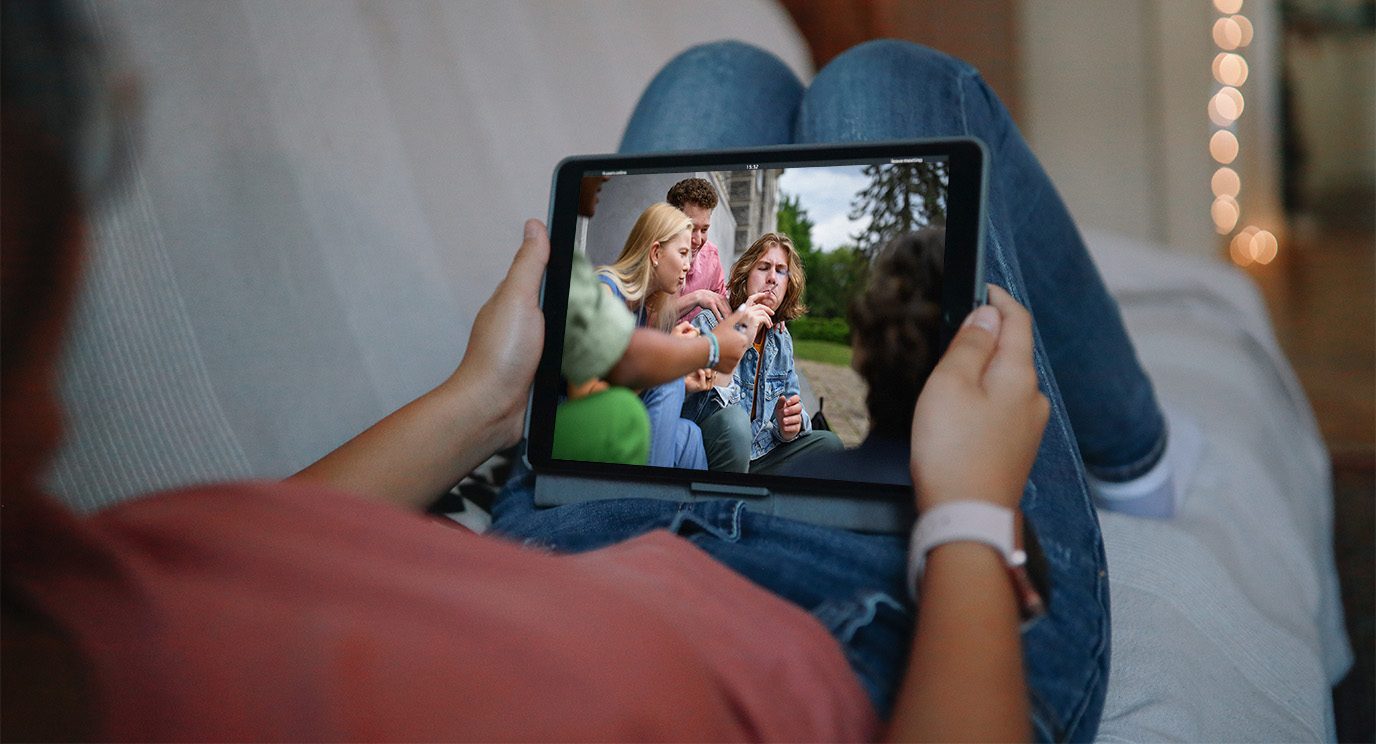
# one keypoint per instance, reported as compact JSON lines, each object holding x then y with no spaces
{"x":632,"y":270}
{"x":791,"y":306}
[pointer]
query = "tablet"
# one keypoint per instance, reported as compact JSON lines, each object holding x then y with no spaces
{"x":837,"y":207}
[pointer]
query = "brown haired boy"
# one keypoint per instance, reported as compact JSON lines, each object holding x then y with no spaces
{"x":696,"y":198}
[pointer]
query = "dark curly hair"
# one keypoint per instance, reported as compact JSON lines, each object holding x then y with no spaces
{"x":692,"y":191}
{"x":895,"y":325}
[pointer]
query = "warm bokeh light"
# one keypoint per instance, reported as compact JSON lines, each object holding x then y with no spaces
{"x":1227,"y":34}
{"x":1223,"y":109}
{"x":1263,"y":247}
{"x":1225,"y":212}
{"x":1226,"y":182}
{"x":1244,"y":27}
{"x":1223,"y":146}
{"x":1240,"y":250}
{"x":1234,"y":96}
{"x":1251,"y":245}
{"x":1215,"y":116}
{"x":1230,"y":69}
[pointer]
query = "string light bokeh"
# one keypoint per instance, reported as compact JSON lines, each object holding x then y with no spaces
{"x":1232,"y":32}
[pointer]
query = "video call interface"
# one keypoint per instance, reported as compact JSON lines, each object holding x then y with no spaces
{"x":845,"y":263}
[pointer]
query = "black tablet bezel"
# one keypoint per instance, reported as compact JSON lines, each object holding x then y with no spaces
{"x":963,"y":287}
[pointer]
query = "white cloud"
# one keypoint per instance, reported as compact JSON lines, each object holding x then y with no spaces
{"x":837,"y":231}
{"x":826,"y":194}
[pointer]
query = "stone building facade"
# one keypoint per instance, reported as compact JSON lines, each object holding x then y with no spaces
{"x":753,"y":198}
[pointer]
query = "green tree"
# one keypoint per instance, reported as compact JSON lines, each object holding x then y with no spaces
{"x":837,"y":276}
{"x":795,"y":223}
{"x":899,"y":199}
{"x":834,"y":276}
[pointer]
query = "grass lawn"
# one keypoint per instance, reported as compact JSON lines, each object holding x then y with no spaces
{"x":822,"y":351}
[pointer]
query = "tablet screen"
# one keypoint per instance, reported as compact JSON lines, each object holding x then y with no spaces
{"x":848,"y":260}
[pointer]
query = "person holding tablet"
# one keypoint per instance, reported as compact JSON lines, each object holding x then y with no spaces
{"x":158,"y":619}
{"x":1102,"y":412}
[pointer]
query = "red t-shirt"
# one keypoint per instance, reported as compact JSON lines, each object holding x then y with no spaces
{"x":282,"y":611}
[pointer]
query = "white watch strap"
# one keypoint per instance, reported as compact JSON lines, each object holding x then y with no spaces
{"x":975,"y":521}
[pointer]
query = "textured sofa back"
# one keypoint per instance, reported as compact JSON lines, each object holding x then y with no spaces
{"x":321,"y":197}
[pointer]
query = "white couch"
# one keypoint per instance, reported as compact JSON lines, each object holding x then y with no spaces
{"x":323,"y":193}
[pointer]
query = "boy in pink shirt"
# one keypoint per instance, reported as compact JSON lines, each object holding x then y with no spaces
{"x":705,"y":286}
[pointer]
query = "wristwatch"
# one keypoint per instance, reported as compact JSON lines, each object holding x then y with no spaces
{"x":974,"y":521}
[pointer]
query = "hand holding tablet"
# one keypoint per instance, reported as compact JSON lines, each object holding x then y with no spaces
{"x":791,"y":282}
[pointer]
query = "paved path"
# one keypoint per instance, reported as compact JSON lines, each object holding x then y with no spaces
{"x":844,"y":392}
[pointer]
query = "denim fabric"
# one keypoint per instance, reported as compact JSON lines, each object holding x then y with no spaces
{"x":853,"y":583}
{"x":675,"y":442}
{"x":713,"y":96}
{"x":777,"y":377}
{"x":893,"y":90}
{"x":723,"y":395}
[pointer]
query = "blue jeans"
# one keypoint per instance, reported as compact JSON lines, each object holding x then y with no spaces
{"x":675,"y":442}
{"x":1102,"y":405}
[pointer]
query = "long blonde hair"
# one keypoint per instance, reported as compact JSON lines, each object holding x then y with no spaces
{"x":632,"y":270}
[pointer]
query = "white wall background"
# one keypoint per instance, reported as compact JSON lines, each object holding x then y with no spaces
{"x":622,"y":200}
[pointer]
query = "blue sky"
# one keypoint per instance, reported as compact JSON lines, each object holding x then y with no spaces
{"x":826,"y":194}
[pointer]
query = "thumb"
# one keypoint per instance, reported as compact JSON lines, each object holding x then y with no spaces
{"x":529,"y":264}
{"x":973,"y":345}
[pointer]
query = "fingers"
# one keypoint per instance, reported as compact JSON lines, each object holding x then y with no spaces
{"x":529,"y":264}
{"x":789,"y":412}
{"x":755,"y":299}
{"x":749,"y":319}
{"x":699,"y":380}
{"x":974,"y":344}
{"x":790,"y":415}
{"x":1011,"y":367}
{"x":1015,"y":337}
{"x":790,"y":405}
{"x":719,"y":306}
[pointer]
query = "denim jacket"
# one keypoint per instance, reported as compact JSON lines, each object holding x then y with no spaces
{"x":777,"y":378}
